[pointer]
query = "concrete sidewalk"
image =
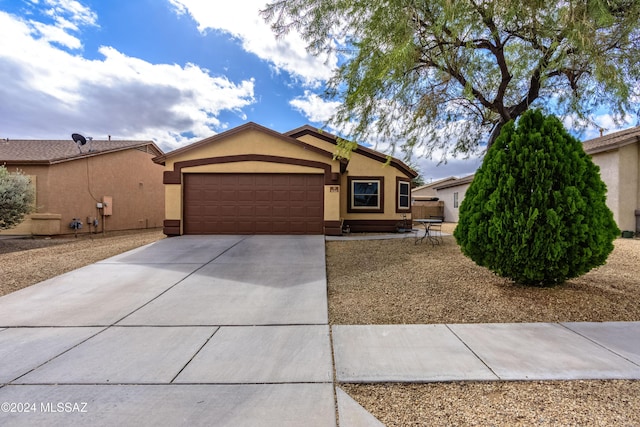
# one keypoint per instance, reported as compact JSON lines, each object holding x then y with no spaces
{"x":487,"y":352}
{"x":233,"y":331}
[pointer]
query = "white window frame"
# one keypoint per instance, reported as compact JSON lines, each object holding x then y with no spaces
{"x":407,"y":206}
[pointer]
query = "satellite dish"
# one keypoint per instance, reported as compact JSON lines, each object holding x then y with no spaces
{"x":78,"y":139}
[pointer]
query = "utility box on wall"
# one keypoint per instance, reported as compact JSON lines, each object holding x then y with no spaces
{"x":107,"y":205}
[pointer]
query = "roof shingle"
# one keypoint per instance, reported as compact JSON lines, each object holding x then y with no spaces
{"x":55,"y":151}
{"x":612,"y":141}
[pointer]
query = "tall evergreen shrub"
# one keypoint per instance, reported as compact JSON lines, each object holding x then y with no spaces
{"x":535,"y":211}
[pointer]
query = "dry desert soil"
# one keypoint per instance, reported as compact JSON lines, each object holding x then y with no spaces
{"x":396,"y":281}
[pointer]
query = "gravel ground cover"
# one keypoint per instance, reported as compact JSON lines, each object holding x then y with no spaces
{"x":396,"y":281}
{"x":24,"y":262}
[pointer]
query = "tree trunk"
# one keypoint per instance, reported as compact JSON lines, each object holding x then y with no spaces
{"x":495,"y":132}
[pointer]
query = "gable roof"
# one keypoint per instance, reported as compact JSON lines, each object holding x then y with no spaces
{"x":27,"y":151}
{"x":612,"y":141}
{"x":367,"y":152}
{"x":456,"y":182}
{"x":242,"y":128}
{"x":434,"y":184}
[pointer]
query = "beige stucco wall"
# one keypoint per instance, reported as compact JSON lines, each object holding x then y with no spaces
{"x":620,"y":171}
{"x":609,"y":172}
{"x":628,"y":187}
{"x":254,"y":141}
{"x":72,"y":189}
{"x":251,"y":142}
{"x":361,"y":166}
{"x":451,"y":213}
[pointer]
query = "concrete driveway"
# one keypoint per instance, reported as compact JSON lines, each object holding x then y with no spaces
{"x":193,"y":330}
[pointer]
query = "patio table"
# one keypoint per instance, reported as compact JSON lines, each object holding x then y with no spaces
{"x":428,"y":223}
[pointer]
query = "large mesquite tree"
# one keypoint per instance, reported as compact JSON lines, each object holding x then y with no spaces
{"x":447,"y":75}
{"x":535,"y":211}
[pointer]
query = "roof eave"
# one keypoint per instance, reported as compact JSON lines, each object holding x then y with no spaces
{"x":368,"y":152}
{"x":247,"y":126}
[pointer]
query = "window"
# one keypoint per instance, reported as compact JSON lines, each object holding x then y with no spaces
{"x":455,"y":199}
{"x":365,"y":194}
{"x":403,"y":201}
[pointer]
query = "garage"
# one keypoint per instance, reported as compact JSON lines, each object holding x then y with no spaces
{"x":252,"y":203}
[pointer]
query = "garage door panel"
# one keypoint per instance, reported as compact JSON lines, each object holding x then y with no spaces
{"x":253,"y":203}
{"x":262,"y":196}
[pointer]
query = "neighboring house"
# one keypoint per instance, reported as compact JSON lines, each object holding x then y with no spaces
{"x":253,"y":180}
{"x":618,"y":156}
{"x":425,"y":202}
{"x":428,"y":192}
{"x":452,"y":193}
{"x":72,"y":181}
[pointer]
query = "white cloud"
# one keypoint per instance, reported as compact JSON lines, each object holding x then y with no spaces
{"x":56,"y":34}
{"x":242,"y":20}
{"x":50,"y":93}
{"x":312,"y":106}
{"x":75,"y":12}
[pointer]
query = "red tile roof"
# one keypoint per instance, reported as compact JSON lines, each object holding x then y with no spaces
{"x":612,"y":141}
{"x":55,"y":151}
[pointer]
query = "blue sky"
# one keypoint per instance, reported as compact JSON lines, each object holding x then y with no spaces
{"x":174,"y":71}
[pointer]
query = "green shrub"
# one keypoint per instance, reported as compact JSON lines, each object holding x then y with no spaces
{"x":535,"y":211}
{"x":16,"y":198}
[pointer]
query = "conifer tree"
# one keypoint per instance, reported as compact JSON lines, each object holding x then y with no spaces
{"x":535,"y":211}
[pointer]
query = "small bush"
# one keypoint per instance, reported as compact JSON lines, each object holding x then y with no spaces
{"x":535,"y":211}
{"x":16,"y":198}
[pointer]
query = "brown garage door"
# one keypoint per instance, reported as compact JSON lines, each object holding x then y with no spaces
{"x":253,"y":204}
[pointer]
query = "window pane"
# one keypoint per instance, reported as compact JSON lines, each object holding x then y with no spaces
{"x":365,"y":188}
{"x":365,"y":194}
{"x":403,"y":195}
{"x":366,"y":200}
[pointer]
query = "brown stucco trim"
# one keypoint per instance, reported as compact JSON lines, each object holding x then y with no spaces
{"x":171,"y":227}
{"x":367,"y":152}
{"x":398,"y":208}
{"x":372,"y":225}
{"x":332,"y":228}
{"x":350,"y":208}
{"x":175,"y":176}
{"x":243,"y":128}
